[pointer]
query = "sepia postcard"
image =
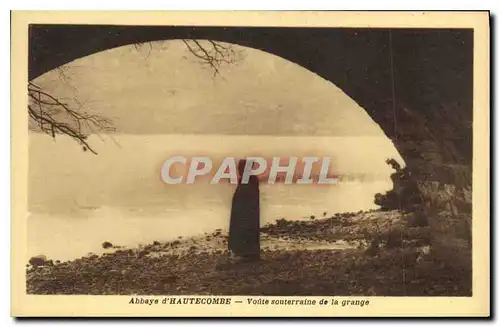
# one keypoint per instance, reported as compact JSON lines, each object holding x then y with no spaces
{"x":250,"y":164}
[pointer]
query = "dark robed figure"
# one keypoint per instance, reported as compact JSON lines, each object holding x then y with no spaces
{"x":244,"y":228}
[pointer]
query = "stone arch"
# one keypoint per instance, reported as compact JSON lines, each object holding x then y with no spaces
{"x":377,"y":69}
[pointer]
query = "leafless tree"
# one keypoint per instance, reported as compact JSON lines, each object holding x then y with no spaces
{"x":53,"y":116}
{"x":213,"y":54}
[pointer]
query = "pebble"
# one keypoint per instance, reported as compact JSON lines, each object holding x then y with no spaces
{"x":38,"y":260}
{"x":107,"y":245}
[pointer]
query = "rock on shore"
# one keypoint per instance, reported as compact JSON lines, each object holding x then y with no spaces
{"x":365,"y":253}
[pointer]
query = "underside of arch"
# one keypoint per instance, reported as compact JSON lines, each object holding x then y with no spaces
{"x":416,"y":84}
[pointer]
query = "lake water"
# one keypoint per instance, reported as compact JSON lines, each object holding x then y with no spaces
{"x":78,"y":200}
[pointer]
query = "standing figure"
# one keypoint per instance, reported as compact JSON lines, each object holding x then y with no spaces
{"x":244,"y":228}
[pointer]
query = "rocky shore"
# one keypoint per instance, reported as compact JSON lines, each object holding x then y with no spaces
{"x":366,"y":253}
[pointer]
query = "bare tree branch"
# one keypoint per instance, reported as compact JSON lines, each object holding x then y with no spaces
{"x":138,"y":46}
{"x":52,"y":116}
{"x":212,"y":53}
{"x":209,"y":52}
